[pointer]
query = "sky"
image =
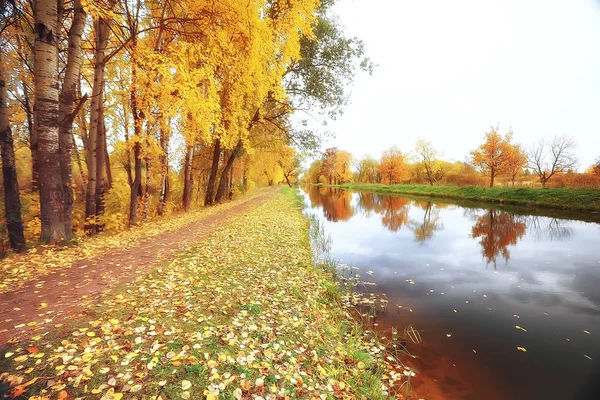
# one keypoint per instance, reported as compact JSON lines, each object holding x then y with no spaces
{"x":447,"y":70}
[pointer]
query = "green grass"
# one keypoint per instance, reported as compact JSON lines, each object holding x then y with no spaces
{"x":562,"y":198}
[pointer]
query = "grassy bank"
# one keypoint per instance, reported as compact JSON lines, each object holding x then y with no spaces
{"x":563,"y":198}
{"x":244,"y":313}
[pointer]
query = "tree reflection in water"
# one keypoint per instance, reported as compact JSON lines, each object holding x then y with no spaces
{"x":498,"y":230}
{"x":337,"y":204}
{"x":424,"y":228}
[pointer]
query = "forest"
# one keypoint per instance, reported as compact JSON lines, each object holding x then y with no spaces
{"x":114,"y":112}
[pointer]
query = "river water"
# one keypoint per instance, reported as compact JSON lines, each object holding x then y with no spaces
{"x":507,"y":303}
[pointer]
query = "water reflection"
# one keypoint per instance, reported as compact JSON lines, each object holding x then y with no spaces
{"x":336,"y":203}
{"x":425,"y":227}
{"x":497,"y":231}
{"x":430,"y":258}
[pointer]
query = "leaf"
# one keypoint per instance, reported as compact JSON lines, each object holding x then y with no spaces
{"x":523,"y":349}
{"x":185,"y":384}
{"x":185,"y":395}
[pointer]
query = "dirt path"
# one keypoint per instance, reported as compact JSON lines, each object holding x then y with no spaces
{"x":48,"y":301}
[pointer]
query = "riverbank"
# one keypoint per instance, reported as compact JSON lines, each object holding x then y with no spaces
{"x":243,"y":312}
{"x":561,"y":199}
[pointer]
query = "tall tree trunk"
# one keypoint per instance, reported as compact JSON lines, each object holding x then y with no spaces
{"x":188,"y":178}
{"x":147,"y":189}
{"x":230,"y":185}
{"x":212,"y":178}
{"x":12,"y":201}
{"x":109,"y":177}
{"x":164,"y":170}
{"x":100,"y":162}
{"x":136,"y":183}
{"x":222,"y":190}
{"x":65,"y":111}
{"x":33,"y":141}
{"x":97,"y":103}
{"x":79,"y":165}
{"x":45,"y":117}
{"x":492,"y":176}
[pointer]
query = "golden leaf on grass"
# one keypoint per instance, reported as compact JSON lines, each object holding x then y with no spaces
{"x":185,"y":395}
{"x":185,"y":384}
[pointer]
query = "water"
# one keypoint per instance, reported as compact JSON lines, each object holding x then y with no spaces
{"x":466,"y":277}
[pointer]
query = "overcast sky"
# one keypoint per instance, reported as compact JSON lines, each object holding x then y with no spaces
{"x":448,"y":69}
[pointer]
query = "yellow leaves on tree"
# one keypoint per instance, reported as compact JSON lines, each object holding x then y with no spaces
{"x":393,"y":166}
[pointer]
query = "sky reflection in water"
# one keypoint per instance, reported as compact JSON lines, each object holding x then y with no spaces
{"x":490,"y":266}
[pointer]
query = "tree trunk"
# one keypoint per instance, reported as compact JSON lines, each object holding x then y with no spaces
{"x":492,"y":176}
{"x":79,"y":165}
{"x":245,"y":178}
{"x":96,"y":106}
{"x":12,"y":201}
{"x":188,"y":178}
{"x":65,"y":111}
{"x":45,"y":116}
{"x":147,"y":189}
{"x":210,"y":187}
{"x":136,"y":184}
{"x":109,"y":177}
{"x":33,"y":141}
{"x":222,"y":190}
{"x":230,"y":186}
{"x":164,"y":171}
{"x":100,"y":162}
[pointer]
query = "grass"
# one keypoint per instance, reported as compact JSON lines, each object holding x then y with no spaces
{"x":561,"y":198}
{"x":242,"y":313}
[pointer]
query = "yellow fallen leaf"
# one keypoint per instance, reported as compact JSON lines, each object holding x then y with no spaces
{"x":520,"y":328}
{"x":185,"y":395}
{"x":185,"y":384}
{"x":523,"y":349}
{"x":8,"y":355}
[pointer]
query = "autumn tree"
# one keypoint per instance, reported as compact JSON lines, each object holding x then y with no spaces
{"x":392,"y":166}
{"x":428,"y":155}
{"x":46,"y":120}
{"x":492,"y":156}
{"x":549,"y":157}
{"x":366,"y":169}
{"x":516,"y":160}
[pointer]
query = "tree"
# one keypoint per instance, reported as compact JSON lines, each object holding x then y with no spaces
{"x":428,"y":156}
{"x":46,"y":120}
{"x":12,"y":201}
{"x":366,"y":169}
{"x":517,"y":160}
{"x":596,"y":166}
{"x":66,"y":115}
{"x":392,"y":166}
{"x":493,"y":155}
{"x":547,"y":158}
